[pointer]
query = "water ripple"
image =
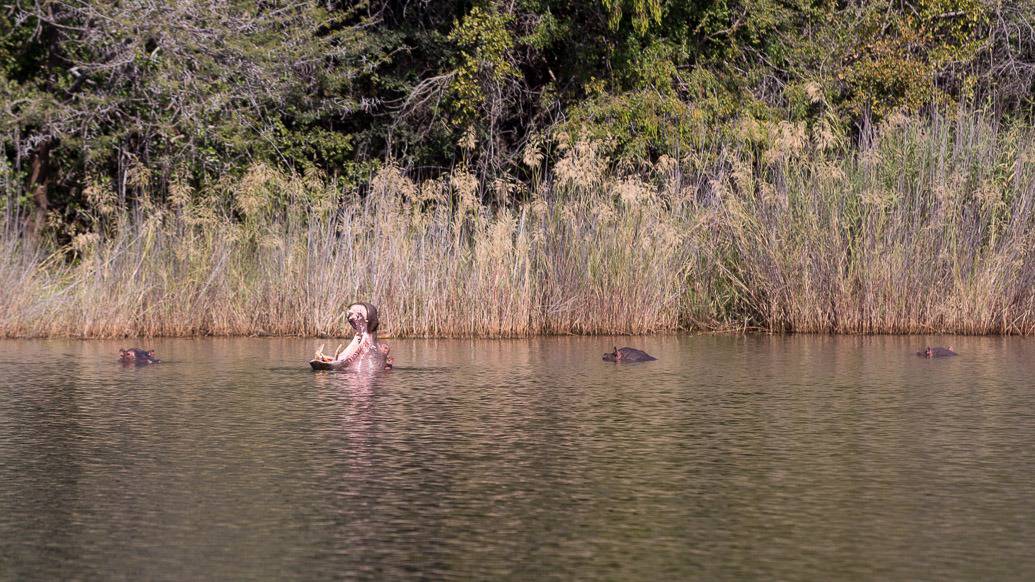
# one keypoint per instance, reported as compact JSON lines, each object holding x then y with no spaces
{"x":791,"y":458}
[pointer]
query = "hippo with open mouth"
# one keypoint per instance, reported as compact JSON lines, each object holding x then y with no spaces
{"x":628,"y":355}
{"x":138,"y":356}
{"x":363,"y":353}
{"x":930,"y":352}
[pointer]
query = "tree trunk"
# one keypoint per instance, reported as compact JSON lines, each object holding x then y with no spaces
{"x":39,"y":179}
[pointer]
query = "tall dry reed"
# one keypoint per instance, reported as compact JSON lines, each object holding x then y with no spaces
{"x":928,"y":227}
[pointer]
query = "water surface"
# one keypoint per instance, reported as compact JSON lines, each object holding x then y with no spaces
{"x":728,"y":458}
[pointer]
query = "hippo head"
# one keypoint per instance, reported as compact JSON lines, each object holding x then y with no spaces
{"x":613,"y":356}
{"x":138,"y":355}
{"x":363,"y":317}
{"x":928,"y":352}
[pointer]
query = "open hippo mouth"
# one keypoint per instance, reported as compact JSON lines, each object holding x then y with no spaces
{"x":363,"y":353}
{"x":363,"y":317}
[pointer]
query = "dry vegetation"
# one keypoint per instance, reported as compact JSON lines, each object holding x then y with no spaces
{"x":929,"y":227}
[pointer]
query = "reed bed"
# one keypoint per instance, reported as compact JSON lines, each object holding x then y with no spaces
{"x":927,"y":227}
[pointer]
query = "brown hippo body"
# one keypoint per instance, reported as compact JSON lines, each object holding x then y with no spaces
{"x":138,"y":356}
{"x":930,"y":352}
{"x":628,"y":355}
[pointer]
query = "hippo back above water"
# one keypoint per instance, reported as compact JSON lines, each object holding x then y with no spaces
{"x":628,"y":355}
{"x":930,"y":352}
{"x":138,"y":356}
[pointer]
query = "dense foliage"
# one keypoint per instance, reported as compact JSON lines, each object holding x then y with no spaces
{"x":107,"y":103}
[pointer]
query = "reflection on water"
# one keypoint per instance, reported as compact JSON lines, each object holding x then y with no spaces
{"x":729,"y":457}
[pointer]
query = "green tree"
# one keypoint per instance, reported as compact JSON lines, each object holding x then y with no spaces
{"x":177,"y":90}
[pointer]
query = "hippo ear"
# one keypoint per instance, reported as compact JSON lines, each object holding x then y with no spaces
{"x":151,"y":352}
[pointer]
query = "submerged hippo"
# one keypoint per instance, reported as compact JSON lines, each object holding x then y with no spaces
{"x":930,"y":352}
{"x":363,"y":353}
{"x":628,"y":355}
{"x":138,"y":356}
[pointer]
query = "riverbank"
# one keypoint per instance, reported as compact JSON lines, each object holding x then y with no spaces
{"x":929,"y":227}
